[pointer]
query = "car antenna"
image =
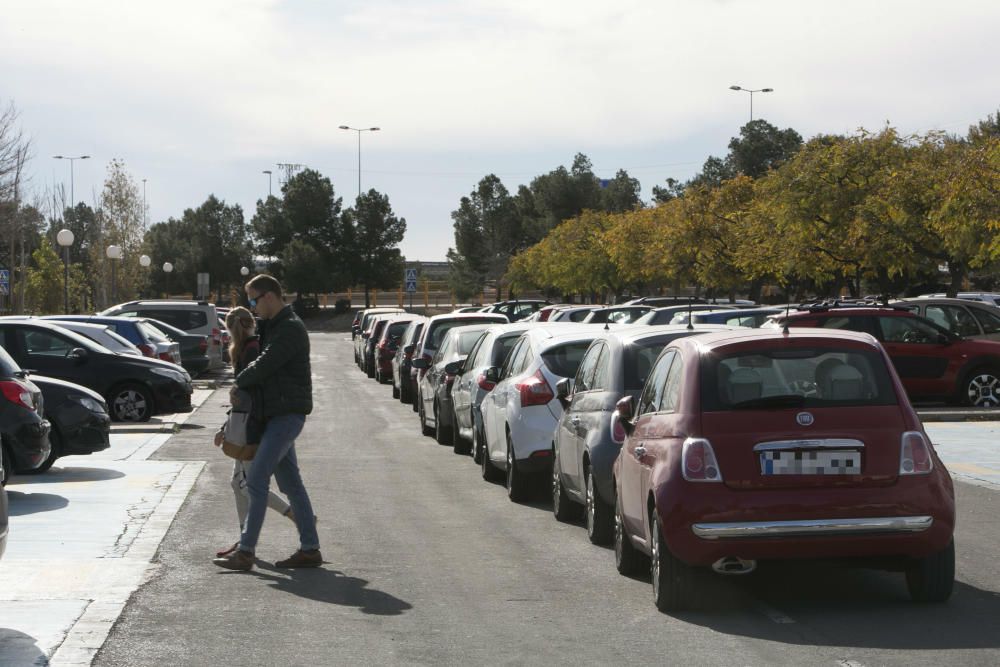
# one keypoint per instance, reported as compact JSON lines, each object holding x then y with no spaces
{"x":788,"y":306}
{"x":690,"y":308}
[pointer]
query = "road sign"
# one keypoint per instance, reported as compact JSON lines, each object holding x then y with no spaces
{"x":411,"y":276}
{"x":411,"y":285}
{"x":4,"y":289}
{"x":5,"y":276}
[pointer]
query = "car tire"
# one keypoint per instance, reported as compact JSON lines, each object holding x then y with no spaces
{"x":415,"y":400}
{"x":369,"y":368}
{"x":130,"y":402}
{"x":673,"y":581}
{"x":424,"y":428}
{"x":441,"y":433}
{"x":932,"y":579}
{"x":55,"y":440}
{"x":489,"y":471}
{"x":404,"y":393}
{"x":8,"y":464}
{"x":518,"y":487}
{"x":627,"y":559}
{"x":981,"y":388}
{"x":563,"y":508}
{"x":459,"y":445}
{"x":395,"y":391}
{"x":478,"y":443}
{"x":599,"y":516}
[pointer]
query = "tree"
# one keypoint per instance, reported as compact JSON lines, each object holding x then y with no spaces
{"x":985,"y":129}
{"x":562,"y":194}
{"x":304,"y":268}
{"x":762,"y":147}
{"x":673,"y":189}
{"x":44,"y":293}
{"x":487,"y":233}
{"x":377,"y":262}
{"x":119,"y":222}
{"x":621,"y":193}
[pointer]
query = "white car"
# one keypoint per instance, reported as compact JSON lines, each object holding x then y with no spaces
{"x":101,"y":334}
{"x":195,"y":317}
{"x":521,"y":413}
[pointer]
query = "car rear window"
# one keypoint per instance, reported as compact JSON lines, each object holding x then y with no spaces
{"x":151,"y":332}
{"x":396,"y":329}
{"x":502,"y":347}
{"x":795,"y":377}
{"x":440,"y":328}
{"x":564,"y":360}
{"x":185,"y":320}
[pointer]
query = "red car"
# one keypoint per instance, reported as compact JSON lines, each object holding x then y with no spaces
{"x":760,"y":444}
{"x":934,"y":364}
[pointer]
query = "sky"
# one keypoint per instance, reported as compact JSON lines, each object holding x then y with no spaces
{"x":200,"y":97}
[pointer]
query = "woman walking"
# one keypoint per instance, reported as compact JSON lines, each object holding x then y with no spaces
{"x":243,"y":349}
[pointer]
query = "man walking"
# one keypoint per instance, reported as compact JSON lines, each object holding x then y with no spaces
{"x":284,"y":377}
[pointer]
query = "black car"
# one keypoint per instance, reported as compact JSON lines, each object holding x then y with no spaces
{"x":135,"y":388}
{"x":402,"y":387}
{"x":517,"y":309}
{"x":24,"y":431}
{"x":4,"y":521}
{"x":79,"y":419}
{"x":194,"y":347}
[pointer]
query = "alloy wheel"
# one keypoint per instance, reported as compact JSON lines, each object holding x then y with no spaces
{"x":983,"y":390}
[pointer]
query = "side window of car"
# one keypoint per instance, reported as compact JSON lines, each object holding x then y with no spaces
{"x":906,"y":330}
{"x":989,"y":321}
{"x":845,"y":322}
{"x":475,"y":351}
{"x":602,"y":376}
{"x":956,"y":319}
{"x":649,"y":401}
{"x":524,"y":358}
{"x":585,"y":374}
{"x":512,"y":359}
{"x":672,"y":387}
{"x":43,"y":343}
{"x":444,"y":350}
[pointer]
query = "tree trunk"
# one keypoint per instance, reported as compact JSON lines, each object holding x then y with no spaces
{"x":957,"y":271}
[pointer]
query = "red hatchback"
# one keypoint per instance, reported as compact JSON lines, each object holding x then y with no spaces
{"x":760,"y":444}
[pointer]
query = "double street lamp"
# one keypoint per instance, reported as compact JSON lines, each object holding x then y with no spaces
{"x":748,"y":90}
{"x":359,"y":130}
{"x":72,"y":198}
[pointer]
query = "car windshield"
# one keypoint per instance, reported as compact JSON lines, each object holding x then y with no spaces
{"x":440,"y":329}
{"x":795,"y":377}
{"x":7,"y":365}
{"x":564,"y":360}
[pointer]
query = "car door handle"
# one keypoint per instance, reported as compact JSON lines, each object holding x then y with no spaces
{"x":575,"y":419}
{"x":639,"y":452}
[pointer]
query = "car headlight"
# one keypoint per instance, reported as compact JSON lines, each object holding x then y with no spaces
{"x":91,"y":404}
{"x":176,"y":376}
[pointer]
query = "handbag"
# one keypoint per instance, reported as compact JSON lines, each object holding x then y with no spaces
{"x":241,"y":432}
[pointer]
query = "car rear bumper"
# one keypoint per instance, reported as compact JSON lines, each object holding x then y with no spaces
{"x":531,"y":430}
{"x":29,"y":445}
{"x":914,"y":517}
{"x":89,"y":436}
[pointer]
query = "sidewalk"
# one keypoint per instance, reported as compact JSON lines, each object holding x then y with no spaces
{"x":83,"y":537}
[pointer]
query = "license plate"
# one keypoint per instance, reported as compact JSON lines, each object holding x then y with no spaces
{"x":811,"y":462}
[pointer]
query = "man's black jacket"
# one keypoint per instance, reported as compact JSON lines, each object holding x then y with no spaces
{"x":282,"y":370}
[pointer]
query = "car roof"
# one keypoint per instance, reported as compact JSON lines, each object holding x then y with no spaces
{"x":472,"y":317}
{"x":943,"y":300}
{"x":92,"y":326}
{"x":712,"y":341}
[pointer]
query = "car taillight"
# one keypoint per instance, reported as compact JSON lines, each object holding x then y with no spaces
{"x":534,"y":390}
{"x":617,"y":430}
{"x":17,"y":393}
{"x":544,"y":316}
{"x":698,"y":463}
{"x":216,"y":336}
{"x":203,"y":345}
{"x":166,"y":356}
{"x":485,"y":384}
{"x":147,"y":350}
{"x":915,"y":455}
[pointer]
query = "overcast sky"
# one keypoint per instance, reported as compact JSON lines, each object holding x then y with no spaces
{"x":201,"y":97}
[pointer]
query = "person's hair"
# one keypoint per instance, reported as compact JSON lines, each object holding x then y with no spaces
{"x":264,"y":283}
{"x":238,"y":321}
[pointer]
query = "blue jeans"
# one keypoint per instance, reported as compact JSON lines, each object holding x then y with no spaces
{"x":276,"y":456}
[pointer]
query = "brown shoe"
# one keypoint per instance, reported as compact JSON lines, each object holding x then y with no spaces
{"x":238,"y":560}
{"x":311,"y":558}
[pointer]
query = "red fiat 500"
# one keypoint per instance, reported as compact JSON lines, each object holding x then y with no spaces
{"x":764,"y":444}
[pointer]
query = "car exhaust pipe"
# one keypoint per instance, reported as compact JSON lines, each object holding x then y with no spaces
{"x":734,"y":565}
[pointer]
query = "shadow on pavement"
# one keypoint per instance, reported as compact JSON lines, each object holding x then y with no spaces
{"x":835,"y":606}
{"x":21,"y":504}
{"x":334,"y":587}
{"x":57,"y":474}
{"x":17,"y":648}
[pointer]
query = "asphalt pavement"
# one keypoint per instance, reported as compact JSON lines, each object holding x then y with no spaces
{"x":427,"y":564}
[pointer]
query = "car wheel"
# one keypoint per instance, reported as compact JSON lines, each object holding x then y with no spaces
{"x":563,"y":508}
{"x":477,"y":443}
{"x":404,"y":393}
{"x":369,"y":371}
{"x":424,"y":428}
{"x":600,"y":522}
{"x":981,"y":388}
{"x":415,"y":400}
{"x":8,"y":464}
{"x":130,"y":403}
{"x":55,"y":440}
{"x":395,"y":390}
{"x":627,"y":559}
{"x":931,"y":579}
{"x":441,"y":433}
{"x":672,"y":579}
{"x":490,"y":472}
{"x":459,"y":445}
{"x":517,"y":482}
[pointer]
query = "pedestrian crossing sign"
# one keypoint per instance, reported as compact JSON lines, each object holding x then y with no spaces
{"x":411,"y":276}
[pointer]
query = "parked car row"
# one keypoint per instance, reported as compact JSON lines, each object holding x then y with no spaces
{"x":692,"y":447}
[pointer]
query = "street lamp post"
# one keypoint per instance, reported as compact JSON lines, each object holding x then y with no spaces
{"x":72,"y":198}
{"x":144,"y":205}
{"x":747,"y":90}
{"x":65,"y":239}
{"x":144,"y":262}
{"x":114,"y":253}
{"x":268,"y":172}
{"x":359,"y":130}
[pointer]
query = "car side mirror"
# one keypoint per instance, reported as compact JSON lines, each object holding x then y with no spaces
{"x":419,"y":363}
{"x":409,"y":349}
{"x":564,"y":391}
{"x":492,"y":374}
{"x":78,"y":354}
{"x":453,"y":368}
{"x":624,"y":409}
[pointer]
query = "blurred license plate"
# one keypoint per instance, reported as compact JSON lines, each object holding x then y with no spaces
{"x":811,"y":462}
